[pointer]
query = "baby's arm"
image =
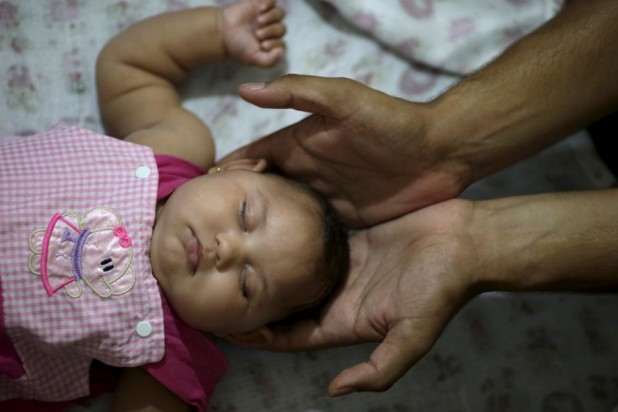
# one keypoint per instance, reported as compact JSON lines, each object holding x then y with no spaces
{"x":138,"y":70}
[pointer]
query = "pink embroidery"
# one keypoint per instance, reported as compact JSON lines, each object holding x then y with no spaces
{"x":98,"y":256}
{"x":121,"y":233}
{"x":44,"y":275}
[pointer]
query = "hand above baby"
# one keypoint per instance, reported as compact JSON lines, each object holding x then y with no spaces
{"x":369,"y":153}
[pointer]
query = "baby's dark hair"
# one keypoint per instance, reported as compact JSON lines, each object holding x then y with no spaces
{"x":334,"y":261}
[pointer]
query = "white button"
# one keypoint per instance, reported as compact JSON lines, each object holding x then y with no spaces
{"x":142,"y":172}
{"x":144,"y":329}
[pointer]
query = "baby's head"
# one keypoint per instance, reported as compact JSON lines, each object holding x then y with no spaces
{"x":237,"y":250}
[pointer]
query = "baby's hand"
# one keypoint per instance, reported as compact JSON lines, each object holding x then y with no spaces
{"x":252,"y":32}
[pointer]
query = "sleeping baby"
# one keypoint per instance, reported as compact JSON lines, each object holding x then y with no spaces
{"x":128,"y":249}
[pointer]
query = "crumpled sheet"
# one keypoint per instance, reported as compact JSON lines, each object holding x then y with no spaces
{"x":502,"y":352}
{"x":452,"y":36}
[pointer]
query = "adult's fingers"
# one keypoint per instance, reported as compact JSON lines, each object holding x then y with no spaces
{"x":326,"y":96}
{"x":259,"y":149}
{"x":304,"y":335}
{"x":388,"y":362}
{"x":276,"y":148}
{"x":334,"y":98}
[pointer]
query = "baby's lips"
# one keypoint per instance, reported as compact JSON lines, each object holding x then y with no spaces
{"x":193,"y":252}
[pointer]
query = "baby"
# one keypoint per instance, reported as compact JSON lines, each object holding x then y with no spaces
{"x":92,"y":219}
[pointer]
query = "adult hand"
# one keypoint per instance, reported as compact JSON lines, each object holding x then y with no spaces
{"x":408,"y":278}
{"x":368,"y":152}
{"x":377,"y":157}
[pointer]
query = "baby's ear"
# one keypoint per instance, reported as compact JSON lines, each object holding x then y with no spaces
{"x":257,"y":337}
{"x":253,"y":165}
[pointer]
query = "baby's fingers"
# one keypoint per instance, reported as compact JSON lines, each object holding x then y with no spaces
{"x":272,"y":16}
{"x":272,"y":44}
{"x":268,"y":58}
{"x":265,"y":5}
{"x":272,"y":31}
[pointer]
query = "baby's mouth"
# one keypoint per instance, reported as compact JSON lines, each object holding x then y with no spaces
{"x":194,"y":251}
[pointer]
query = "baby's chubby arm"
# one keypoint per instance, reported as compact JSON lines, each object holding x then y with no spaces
{"x":138,"y":70}
{"x":137,"y":74}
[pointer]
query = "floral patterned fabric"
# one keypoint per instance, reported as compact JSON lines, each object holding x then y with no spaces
{"x":452,"y":36}
{"x":502,"y":352}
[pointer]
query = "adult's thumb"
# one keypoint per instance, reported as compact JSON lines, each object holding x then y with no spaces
{"x":319,"y":95}
{"x":387,"y":363}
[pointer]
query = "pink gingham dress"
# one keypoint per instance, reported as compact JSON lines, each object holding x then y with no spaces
{"x":77,"y":211}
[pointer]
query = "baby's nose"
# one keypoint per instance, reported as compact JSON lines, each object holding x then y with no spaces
{"x":229,"y":250}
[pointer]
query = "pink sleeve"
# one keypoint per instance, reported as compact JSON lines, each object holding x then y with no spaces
{"x":192,"y":365}
{"x":173,"y":172}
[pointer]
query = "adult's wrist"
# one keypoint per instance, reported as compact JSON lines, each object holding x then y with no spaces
{"x":485,"y":130}
{"x":558,"y":241}
{"x":546,"y":86}
{"x":506,"y":238}
{"x":454,"y":124}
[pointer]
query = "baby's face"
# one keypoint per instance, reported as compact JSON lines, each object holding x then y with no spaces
{"x":236,"y":250}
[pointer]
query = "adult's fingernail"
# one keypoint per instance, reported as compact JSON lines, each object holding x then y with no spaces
{"x":342,"y":392}
{"x":254,"y":86}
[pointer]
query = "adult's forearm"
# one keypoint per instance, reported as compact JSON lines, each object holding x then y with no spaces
{"x":554,"y":81}
{"x":559,"y":241}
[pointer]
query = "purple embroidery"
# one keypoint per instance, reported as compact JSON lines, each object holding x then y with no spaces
{"x":79,"y":240}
